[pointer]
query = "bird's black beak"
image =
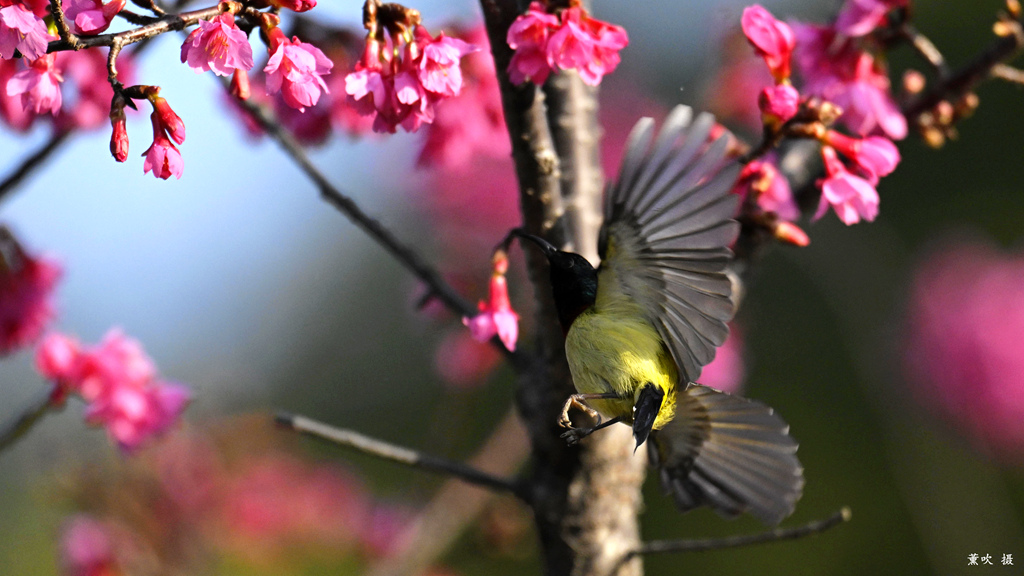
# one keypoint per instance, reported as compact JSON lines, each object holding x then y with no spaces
{"x":544,"y":245}
{"x":645,"y":412}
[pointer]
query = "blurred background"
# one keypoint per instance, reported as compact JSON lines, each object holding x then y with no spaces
{"x":894,"y":348}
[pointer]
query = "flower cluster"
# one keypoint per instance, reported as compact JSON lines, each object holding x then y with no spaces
{"x":26,"y":294}
{"x":840,"y":80}
{"x":496,"y":317}
{"x":117,"y":381}
{"x":404,"y":73}
{"x":546,"y":43}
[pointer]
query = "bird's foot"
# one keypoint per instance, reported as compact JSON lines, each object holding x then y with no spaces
{"x":572,"y":437}
{"x":576,"y":401}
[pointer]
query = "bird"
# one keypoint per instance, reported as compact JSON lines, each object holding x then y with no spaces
{"x":640,"y":327}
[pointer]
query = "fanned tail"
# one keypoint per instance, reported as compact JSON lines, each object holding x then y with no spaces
{"x":732,"y":454}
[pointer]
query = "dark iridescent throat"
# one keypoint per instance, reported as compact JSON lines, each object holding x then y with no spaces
{"x":574,"y":282}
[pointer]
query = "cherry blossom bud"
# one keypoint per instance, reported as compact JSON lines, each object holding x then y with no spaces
{"x":778,"y":104}
{"x":168,"y":120}
{"x":119,"y":136}
{"x":772,"y":39}
{"x":240,"y":85}
{"x":791,"y":234}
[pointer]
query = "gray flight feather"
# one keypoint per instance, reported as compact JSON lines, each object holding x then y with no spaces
{"x":730,"y":453}
{"x":669,"y":218}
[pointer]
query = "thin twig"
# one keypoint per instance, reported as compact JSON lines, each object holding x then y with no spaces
{"x":925,"y":49}
{"x":776,"y":535}
{"x":31,"y":163}
{"x":335,"y":197}
{"x":455,"y":506}
{"x":1008,"y":73}
{"x":959,"y":83}
{"x":399,"y":454}
{"x":168,"y":23}
{"x":16,"y":427}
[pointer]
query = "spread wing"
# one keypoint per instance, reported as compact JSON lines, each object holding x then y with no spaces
{"x":729,"y":453}
{"x":668,"y":225}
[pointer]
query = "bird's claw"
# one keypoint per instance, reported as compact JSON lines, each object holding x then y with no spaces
{"x":572,"y":437}
{"x":576,"y":401}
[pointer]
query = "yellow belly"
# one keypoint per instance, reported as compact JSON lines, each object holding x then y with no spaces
{"x":617,"y":350}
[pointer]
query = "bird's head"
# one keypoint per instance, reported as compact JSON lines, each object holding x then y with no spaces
{"x":573,"y":279}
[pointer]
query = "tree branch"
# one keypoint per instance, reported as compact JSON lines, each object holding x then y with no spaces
{"x":33,"y":162}
{"x":967,"y":78}
{"x":15,"y":428}
{"x":335,"y":197}
{"x":455,"y":506}
{"x":776,"y":535}
{"x":407,"y":456}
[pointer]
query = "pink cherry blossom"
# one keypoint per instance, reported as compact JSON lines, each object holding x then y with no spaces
{"x":296,"y":70}
{"x":962,"y":350}
{"x":57,"y":357}
{"x":23,"y":30}
{"x":861,"y":17}
{"x":87,"y":548}
{"x":38,"y":85}
{"x":496,"y":316}
{"x":528,"y":36}
{"x":162,"y":157}
{"x":772,"y":40}
{"x":851,"y":196}
{"x":11,"y":109}
{"x":769,"y":187}
{"x":473,"y":122}
{"x":26,"y":294}
{"x":90,"y":17}
{"x":778,"y":103}
{"x":875,"y":156}
{"x":589,"y":45}
{"x":438,"y":68}
{"x":217,"y":45}
{"x":835,"y":69}
{"x":119,"y":384}
{"x":132,"y":414}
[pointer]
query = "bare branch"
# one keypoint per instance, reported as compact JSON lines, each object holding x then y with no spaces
{"x":402,"y":455}
{"x":776,"y":535}
{"x":15,"y":428}
{"x":33,"y":162}
{"x":438,"y":525}
{"x":967,"y":78}
{"x":333,"y":196}
{"x":1008,"y":73}
{"x":924,"y":48}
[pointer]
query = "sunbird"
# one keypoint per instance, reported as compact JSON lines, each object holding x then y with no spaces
{"x":639,"y":328}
